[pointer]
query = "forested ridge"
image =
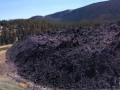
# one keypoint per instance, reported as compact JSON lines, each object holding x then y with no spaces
{"x":14,"y":30}
{"x":105,"y":10}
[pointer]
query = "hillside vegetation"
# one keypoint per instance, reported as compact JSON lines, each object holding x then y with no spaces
{"x":106,"y":10}
{"x":14,"y":30}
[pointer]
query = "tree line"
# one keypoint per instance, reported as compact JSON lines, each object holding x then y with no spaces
{"x":14,"y":30}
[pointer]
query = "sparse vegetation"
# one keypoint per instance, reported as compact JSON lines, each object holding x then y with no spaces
{"x":7,"y":84}
{"x":3,"y":66}
{"x":4,"y":48}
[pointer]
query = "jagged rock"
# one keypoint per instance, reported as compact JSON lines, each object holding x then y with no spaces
{"x":80,"y":58}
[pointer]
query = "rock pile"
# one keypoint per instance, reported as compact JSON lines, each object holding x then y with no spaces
{"x":80,"y":58}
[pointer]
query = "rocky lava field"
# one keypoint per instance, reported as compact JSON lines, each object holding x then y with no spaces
{"x":73,"y":59}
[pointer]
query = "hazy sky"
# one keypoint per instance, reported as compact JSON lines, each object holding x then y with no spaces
{"x":13,"y":9}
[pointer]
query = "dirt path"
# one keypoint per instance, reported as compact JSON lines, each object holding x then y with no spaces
{"x":5,"y":82}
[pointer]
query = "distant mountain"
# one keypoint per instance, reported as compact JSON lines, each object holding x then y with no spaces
{"x":59,"y":14}
{"x":107,"y":10}
{"x":37,"y":17}
{"x":54,"y":17}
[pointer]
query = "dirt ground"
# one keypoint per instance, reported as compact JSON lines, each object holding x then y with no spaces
{"x":5,"y":82}
{"x":3,"y":66}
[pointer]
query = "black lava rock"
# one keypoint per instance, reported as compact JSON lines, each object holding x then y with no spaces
{"x":81,"y":58}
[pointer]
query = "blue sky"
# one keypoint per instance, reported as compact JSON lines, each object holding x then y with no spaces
{"x":14,"y":9}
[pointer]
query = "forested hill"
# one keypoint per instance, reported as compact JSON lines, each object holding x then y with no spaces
{"x":14,"y":30}
{"x":107,"y":10}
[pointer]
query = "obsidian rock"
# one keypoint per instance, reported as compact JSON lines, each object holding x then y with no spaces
{"x":81,"y":58}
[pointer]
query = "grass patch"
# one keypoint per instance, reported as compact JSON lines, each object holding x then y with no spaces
{"x":5,"y":47}
{"x":2,"y":55}
{"x":3,"y":50}
{"x":6,"y":84}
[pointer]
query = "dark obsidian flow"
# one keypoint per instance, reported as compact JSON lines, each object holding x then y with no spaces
{"x":74,"y":59}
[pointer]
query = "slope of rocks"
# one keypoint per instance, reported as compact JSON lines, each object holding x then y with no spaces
{"x":80,"y":58}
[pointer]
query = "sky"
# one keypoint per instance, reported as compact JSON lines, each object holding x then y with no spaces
{"x":23,"y":9}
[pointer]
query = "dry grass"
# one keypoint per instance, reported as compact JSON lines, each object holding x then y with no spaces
{"x":3,"y":66}
{"x":22,"y":85}
{"x":4,"y":46}
{"x":2,"y":55}
{"x":3,"y":69}
{"x":2,"y":51}
{"x":7,"y":84}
